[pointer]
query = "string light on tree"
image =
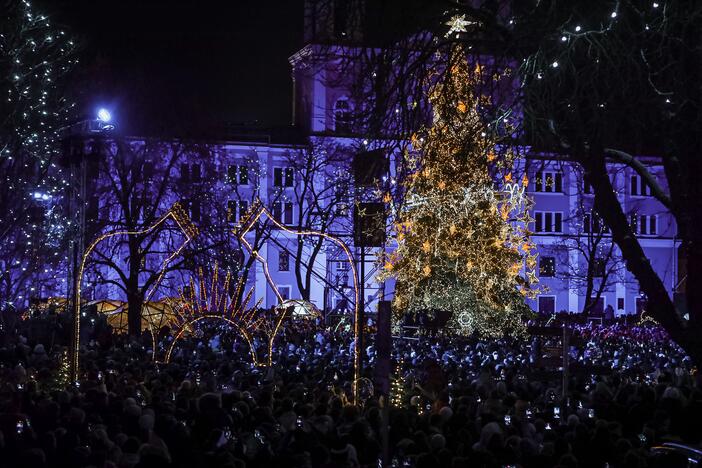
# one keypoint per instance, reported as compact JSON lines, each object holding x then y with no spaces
{"x":462,"y":241}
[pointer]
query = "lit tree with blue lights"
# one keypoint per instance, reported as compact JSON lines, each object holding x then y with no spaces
{"x":35,"y":60}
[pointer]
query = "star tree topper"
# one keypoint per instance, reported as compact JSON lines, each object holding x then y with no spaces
{"x":458,"y":24}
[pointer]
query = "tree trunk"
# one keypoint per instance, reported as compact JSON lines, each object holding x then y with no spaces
{"x":660,"y":304}
{"x":135,"y":297}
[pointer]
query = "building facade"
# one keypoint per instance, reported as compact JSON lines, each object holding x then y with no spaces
{"x":308,"y":185}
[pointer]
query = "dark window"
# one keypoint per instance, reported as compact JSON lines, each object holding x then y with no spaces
{"x":634,"y":223}
{"x":288,"y":213}
{"x":243,"y":209}
{"x":587,"y":223}
{"x":620,"y":303}
{"x":243,"y":175}
{"x":283,"y":260}
{"x":547,"y":266}
{"x":278,"y":211}
{"x":547,"y":305}
{"x":195,"y":210}
{"x":342,"y":116}
{"x":597,"y":306}
{"x":558,"y":226}
{"x":185,"y":173}
{"x":539,"y":182}
{"x":148,"y":170}
{"x":538,"y":222}
{"x":283,"y":176}
{"x":653,"y":225}
{"x":548,"y":221}
{"x":195,"y":173}
{"x":559,"y":182}
{"x":231,"y":211}
{"x":634,"y":185}
{"x":599,"y":267}
{"x":284,"y":292}
{"x":587,"y":187}
{"x":231,"y":174}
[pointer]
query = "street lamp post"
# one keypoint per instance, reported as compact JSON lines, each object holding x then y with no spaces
{"x":80,"y":141}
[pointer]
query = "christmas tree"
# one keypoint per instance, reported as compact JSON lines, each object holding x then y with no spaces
{"x":462,"y":239}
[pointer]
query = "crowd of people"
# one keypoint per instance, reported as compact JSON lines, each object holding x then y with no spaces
{"x":455,"y":401}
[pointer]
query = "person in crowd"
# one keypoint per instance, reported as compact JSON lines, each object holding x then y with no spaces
{"x":456,"y":401}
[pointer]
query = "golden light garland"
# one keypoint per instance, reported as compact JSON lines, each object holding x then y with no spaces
{"x":463,"y":243}
{"x":181,"y":218}
{"x":255,"y":213}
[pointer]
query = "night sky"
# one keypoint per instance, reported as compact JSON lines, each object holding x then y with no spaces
{"x":184,"y":67}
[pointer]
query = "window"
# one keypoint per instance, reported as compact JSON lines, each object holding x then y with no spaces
{"x":185,"y":174}
{"x":342,"y":266}
{"x":638,"y":187}
{"x":587,"y":188}
{"x":599,"y":267}
{"x":195,"y":210}
{"x":283,"y":176}
{"x":243,"y":209}
{"x":645,"y":225}
{"x":283,"y":212}
{"x":283,"y":260}
{"x":547,"y":266}
{"x":598,"y":305}
{"x":548,"y":221}
{"x":342,"y":116}
{"x":592,"y":223}
{"x":195,"y":173}
{"x":620,"y":303}
{"x":547,"y":305}
{"x":548,"y":182}
{"x":284,"y":292}
{"x":236,"y":210}
{"x":231,"y":211}
{"x":238,"y":175}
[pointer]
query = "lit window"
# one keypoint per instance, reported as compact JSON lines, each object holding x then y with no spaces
{"x":547,"y":266}
{"x":548,"y":182}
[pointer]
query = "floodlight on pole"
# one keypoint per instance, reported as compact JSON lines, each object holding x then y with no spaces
{"x":104,"y":115}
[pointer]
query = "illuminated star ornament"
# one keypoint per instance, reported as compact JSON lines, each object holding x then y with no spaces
{"x":458,"y":24}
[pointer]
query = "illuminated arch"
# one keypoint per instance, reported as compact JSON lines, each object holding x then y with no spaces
{"x":188,"y":325}
{"x":255,"y":212}
{"x":181,"y":218}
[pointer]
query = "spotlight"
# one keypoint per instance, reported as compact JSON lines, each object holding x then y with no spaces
{"x":104,"y":115}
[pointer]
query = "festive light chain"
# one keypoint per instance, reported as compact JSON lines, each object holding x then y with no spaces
{"x":258,"y":210}
{"x":182,"y":220}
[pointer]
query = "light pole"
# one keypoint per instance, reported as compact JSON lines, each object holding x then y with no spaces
{"x":78,"y":138}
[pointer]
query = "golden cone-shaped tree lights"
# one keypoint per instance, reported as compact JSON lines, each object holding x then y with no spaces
{"x":463,"y":245}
